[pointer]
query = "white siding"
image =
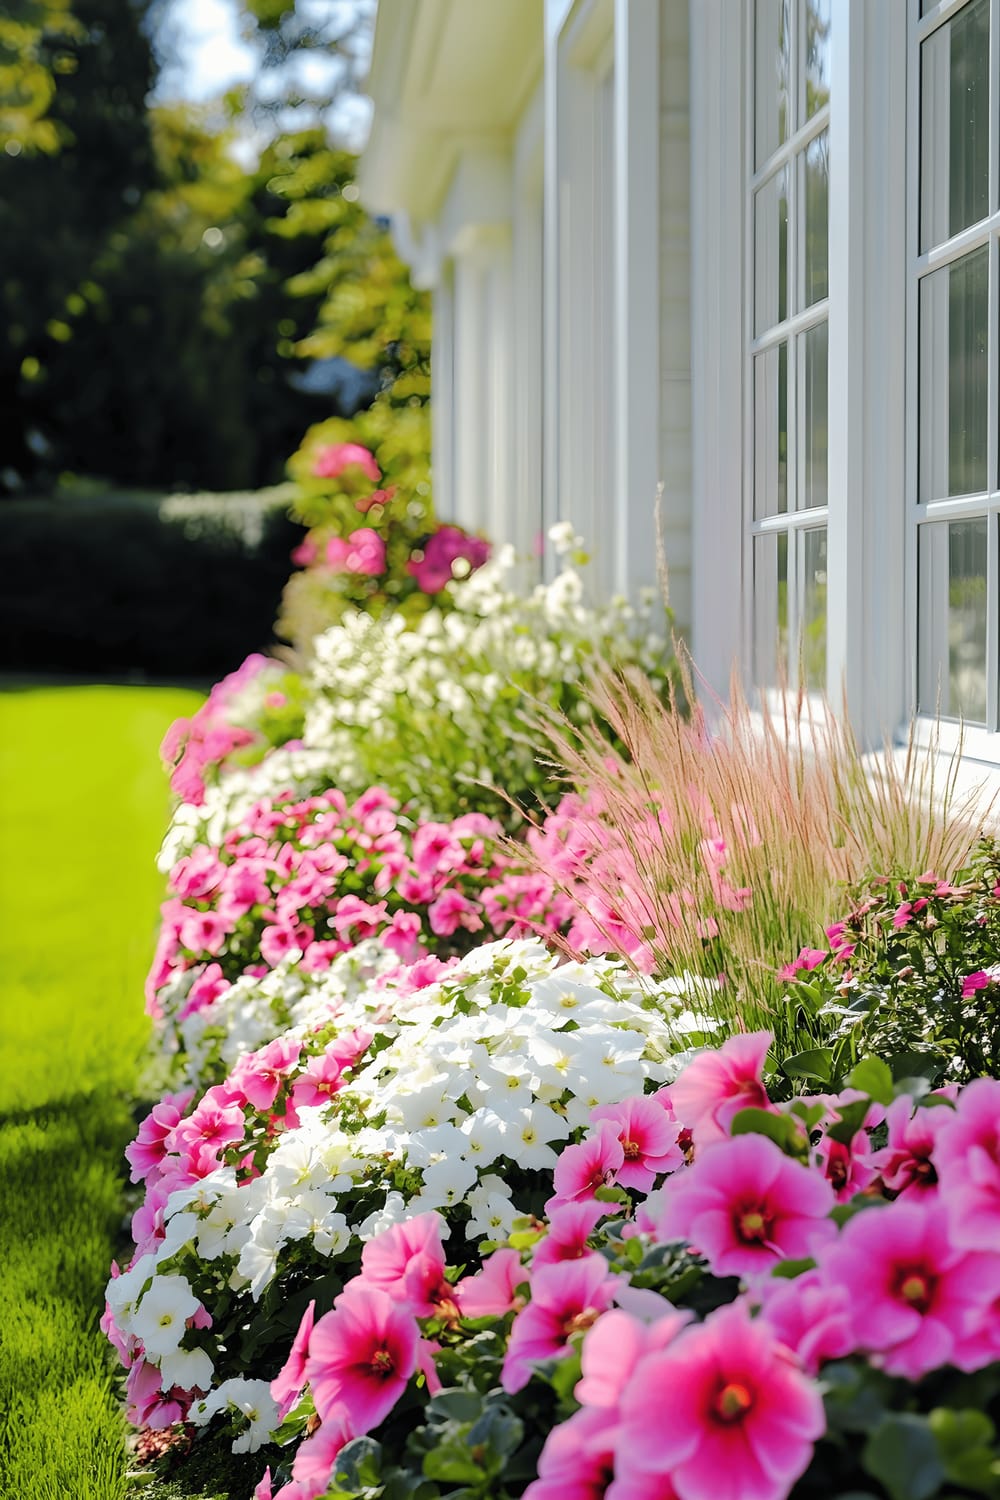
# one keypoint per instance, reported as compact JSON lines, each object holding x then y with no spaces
{"x":675,"y":304}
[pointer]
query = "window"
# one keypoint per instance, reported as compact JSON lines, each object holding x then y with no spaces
{"x":787,"y":321}
{"x":955,"y":318}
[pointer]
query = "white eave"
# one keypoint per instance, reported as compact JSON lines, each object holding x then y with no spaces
{"x":445,"y":76}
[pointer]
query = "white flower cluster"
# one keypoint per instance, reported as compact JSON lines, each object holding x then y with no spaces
{"x":472,"y":1083}
{"x":441,"y":701}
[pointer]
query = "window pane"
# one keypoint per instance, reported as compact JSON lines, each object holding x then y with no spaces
{"x":813,"y":347}
{"x":953,"y":377}
{"x":813,"y":612}
{"x":954,"y":125}
{"x":816,"y":167}
{"x":770,"y":432}
{"x":772,"y":76}
{"x":770,"y":607}
{"x":952,"y":603}
{"x":817,"y":46}
{"x":770,"y":300}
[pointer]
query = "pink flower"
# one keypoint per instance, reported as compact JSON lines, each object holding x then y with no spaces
{"x":744,"y":1205}
{"x":204,"y":932}
{"x":206,"y":989}
{"x":323,"y":1075}
{"x":361,"y":1356}
{"x":315,"y":1459}
{"x":582,"y":1169}
{"x":434,"y":566}
{"x":365,"y":503}
{"x":259,"y":1075}
{"x":570,"y":1226}
{"x":967,"y":1157}
{"x":493,"y":1291}
{"x":715,"y":1086}
{"x":914,"y":1295}
{"x":848,"y":1169}
{"x":905,"y":1163}
{"x":277,"y":942}
{"x":152,"y":1142}
{"x":287,"y":1385}
{"x":811,"y":1316}
{"x":565,"y":1299}
{"x":613,"y":1348}
{"x":452,"y":910}
{"x":973,"y":983}
{"x":648,"y":1140}
{"x":306,"y":553}
{"x":724,"y":1412}
{"x":402,"y":936}
{"x":363,"y":552}
{"x":213,"y":1125}
{"x":408,"y":1260}
{"x":577,"y":1462}
{"x":331,"y":461}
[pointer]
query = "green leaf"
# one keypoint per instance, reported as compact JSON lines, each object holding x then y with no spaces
{"x":778,"y":1128}
{"x":789,"y":1269}
{"x":915,"y":1065}
{"x":817,"y":1062}
{"x":851,"y":1119}
{"x":358,"y":1463}
{"x":456,"y":1405}
{"x":873,"y":1077}
{"x":965,"y":1441}
{"x":903,"y":1455}
{"x":452,"y":1463}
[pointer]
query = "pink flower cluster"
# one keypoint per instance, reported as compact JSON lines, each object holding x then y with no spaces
{"x":310,"y":878}
{"x":605,"y":875}
{"x":211,"y":736}
{"x":433,"y":565}
{"x":672,"y":1408}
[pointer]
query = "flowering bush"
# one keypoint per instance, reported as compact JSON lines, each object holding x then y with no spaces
{"x":373,"y":542}
{"x":724,"y":1297}
{"x":449,"y":1099}
{"x":442,"y":703}
{"x":310,"y":878}
{"x":253,"y":709}
{"x":912,"y":972}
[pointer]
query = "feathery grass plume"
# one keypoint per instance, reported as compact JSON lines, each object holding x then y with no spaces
{"x":723,"y":847}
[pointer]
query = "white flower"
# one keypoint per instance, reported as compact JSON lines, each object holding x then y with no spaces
{"x":447,"y":1181}
{"x":161,"y":1317}
{"x":493,"y":1212}
{"x":190,"y":1369}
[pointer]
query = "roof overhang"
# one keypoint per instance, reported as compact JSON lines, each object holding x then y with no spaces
{"x":446,"y":76}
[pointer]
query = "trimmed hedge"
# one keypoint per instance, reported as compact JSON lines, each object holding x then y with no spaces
{"x":166,"y":586}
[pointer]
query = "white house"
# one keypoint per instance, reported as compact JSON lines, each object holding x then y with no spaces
{"x":748,"y":249}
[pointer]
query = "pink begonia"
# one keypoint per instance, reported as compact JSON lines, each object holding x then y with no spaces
{"x":810,"y":1315}
{"x":648,"y":1140}
{"x":967,"y":1157}
{"x":905,"y":1163}
{"x":288,"y":1384}
{"x":725,"y":1412}
{"x":582,"y":1169}
{"x":331,"y":461}
{"x":361,"y":1356}
{"x":435,"y":566}
{"x":715,"y":1086}
{"x":565,"y":1299}
{"x":577,"y":1462}
{"x":615,"y":1344}
{"x":914,"y":1294}
{"x":492,"y":1292}
{"x":259,"y":1075}
{"x":745,"y":1205}
{"x":408,"y":1260}
{"x":363,"y":552}
{"x":569,"y":1226}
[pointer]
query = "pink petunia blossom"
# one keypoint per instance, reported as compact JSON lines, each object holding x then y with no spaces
{"x":333,"y":459}
{"x":569,"y":1227}
{"x":905,"y":1163}
{"x":577,"y":1462}
{"x":492,"y":1292}
{"x":647,"y":1137}
{"x":614,"y":1346}
{"x":973,"y":983}
{"x":363,"y":552}
{"x":914,"y":1294}
{"x":316,"y":1458}
{"x":745,"y":1205}
{"x":565,"y":1299}
{"x":259,"y":1075}
{"x":848,"y":1169}
{"x":452,"y":910}
{"x":967,"y":1157}
{"x":811,"y":1315}
{"x":715,"y":1086}
{"x":582,"y":1169}
{"x":288,"y":1384}
{"x":206,"y":989}
{"x":152,"y":1142}
{"x":361,"y":1356}
{"x":725,"y":1412}
{"x":322,"y":1076}
{"x":408,"y":1260}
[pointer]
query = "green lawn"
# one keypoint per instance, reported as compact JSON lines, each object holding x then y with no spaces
{"x":83,"y":803}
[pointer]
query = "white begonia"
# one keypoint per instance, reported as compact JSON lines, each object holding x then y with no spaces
{"x":161,"y":1317}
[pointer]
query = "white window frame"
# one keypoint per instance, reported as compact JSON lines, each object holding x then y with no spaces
{"x":977,"y":742}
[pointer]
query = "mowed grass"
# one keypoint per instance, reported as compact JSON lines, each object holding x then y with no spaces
{"x":83,"y":804}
